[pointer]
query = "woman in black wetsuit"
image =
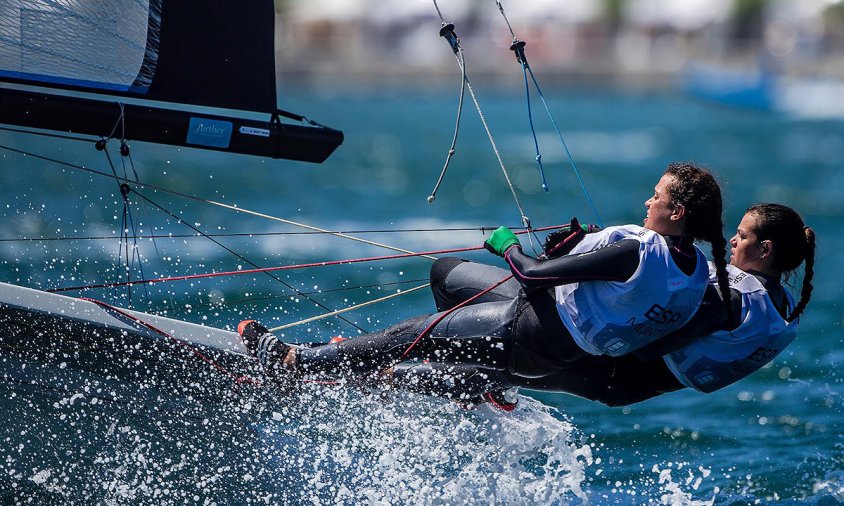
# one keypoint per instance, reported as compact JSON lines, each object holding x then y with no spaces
{"x":519,"y":328}
{"x":710,"y":352}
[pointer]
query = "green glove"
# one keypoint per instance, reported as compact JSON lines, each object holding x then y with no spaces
{"x":501,"y":240}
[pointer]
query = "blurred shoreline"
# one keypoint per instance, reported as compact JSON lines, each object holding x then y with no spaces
{"x":620,"y":43}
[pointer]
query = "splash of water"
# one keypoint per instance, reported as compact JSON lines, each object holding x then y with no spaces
{"x":323,"y":445}
{"x":353,"y":449}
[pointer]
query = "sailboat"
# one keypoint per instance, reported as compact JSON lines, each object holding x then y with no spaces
{"x":186,"y":73}
{"x":113,"y":405}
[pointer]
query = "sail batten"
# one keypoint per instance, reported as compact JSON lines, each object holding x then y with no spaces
{"x":97,"y":45}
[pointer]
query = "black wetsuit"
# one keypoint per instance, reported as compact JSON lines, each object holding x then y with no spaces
{"x":511,"y":335}
{"x":614,"y":381}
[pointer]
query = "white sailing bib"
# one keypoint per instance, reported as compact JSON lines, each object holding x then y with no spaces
{"x":615,"y":318}
{"x":722,"y":358}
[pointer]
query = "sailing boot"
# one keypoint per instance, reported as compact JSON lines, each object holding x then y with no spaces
{"x":504,"y":400}
{"x":266,"y":347}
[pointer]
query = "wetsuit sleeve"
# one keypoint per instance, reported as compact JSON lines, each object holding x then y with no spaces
{"x":710,"y":317}
{"x":614,"y":262}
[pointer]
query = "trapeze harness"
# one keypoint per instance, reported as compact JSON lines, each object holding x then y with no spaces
{"x":721,"y":358}
{"x":615,"y":318}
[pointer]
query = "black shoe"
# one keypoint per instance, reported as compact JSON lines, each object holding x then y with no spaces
{"x":266,"y":347}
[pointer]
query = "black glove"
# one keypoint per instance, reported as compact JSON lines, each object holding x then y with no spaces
{"x":562,"y":241}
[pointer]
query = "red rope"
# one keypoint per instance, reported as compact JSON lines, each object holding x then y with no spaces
{"x":192,"y":349}
{"x":466,"y":302}
{"x":240,"y":379}
{"x":279,"y":268}
{"x":442,"y":316}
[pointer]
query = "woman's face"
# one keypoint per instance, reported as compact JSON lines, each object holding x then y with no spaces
{"x":663,"y":216}
{"x":747,"y":252}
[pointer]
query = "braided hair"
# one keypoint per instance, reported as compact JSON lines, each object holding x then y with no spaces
{"x":794,"y":243}
{"x":698,"y":192}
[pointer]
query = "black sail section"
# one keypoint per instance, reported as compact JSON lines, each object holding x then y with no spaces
{"x":218,"y":53}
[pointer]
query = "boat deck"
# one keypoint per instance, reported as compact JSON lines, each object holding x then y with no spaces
{"x":68,"y":346}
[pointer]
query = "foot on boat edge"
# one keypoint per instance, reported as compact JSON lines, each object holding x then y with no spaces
{"x":261,"y":343}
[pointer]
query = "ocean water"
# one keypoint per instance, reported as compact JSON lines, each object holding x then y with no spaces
{"x":773,"y":438}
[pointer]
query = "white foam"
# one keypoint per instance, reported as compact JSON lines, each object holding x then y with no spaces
{"x":422,"y":450}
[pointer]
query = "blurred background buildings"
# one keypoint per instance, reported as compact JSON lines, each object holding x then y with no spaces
{"x":616,"y":39}
{"x":741,"y":50}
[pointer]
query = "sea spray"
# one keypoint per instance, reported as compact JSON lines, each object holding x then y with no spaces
{"x":346,"y":447}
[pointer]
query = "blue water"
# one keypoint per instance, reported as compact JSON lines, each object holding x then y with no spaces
{"x":773,"y":438}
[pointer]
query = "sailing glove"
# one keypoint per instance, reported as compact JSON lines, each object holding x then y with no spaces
{"x":562,"y":241}
{"x":501,"y":240}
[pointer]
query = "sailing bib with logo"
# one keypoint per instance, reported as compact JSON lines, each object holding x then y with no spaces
{"x":722,"y":358}
{"x":615,"y":318}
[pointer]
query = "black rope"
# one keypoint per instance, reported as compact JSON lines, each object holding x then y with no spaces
{"x":447,"y":31}
{"x":127,"y":223}
{"x":47,"y":134}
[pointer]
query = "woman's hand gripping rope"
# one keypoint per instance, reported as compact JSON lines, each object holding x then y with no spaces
{"x":501,"y":240}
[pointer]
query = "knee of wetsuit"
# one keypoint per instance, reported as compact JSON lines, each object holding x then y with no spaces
{"x":441,"y":269}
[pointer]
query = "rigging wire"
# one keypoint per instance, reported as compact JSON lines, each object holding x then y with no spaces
{"x":349,"y":308}
{"x":263,"y":269}
{"x":127,"y":221}
{"x":210,"y":202}
{"x":482,"y":230}
{"x":455,"y":46}
{"x":290,"y":267}
{"x":246,"y":260}
{"x":447,"y":31}
{"x":248,"y":300}
{"x":47,"y":134}
{"x":518,"y":47}
{"x":126,"y":152}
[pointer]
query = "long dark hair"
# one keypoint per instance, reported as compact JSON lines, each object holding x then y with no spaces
{"x":794,"y":243}
{"x":698,"y":192}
